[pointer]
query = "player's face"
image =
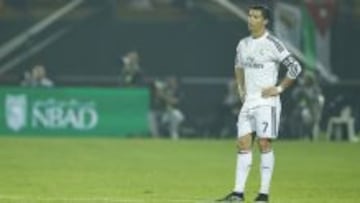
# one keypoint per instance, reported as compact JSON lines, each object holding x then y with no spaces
{"x":256,"y":21}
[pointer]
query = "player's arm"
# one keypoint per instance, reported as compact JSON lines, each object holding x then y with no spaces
{"x":239,"y":76}
{"x":239,"y":73}
{"x":293,"y":70}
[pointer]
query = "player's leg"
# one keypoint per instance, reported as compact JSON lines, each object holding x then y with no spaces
{"x":244,"y":161}
{"x":267,"y":163}
{"x":267,"y":121}
{"x":245,"y":126}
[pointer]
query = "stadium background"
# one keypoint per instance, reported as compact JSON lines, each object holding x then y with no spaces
{"x":192,"y":39}
{"x":195,"y":43}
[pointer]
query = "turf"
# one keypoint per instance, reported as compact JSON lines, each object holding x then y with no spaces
{"x":161,"y":171}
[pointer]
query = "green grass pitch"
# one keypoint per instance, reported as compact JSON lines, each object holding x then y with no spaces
{"x":102,"y":170}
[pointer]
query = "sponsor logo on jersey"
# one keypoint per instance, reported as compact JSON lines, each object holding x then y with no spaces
{"x":251,"y":63}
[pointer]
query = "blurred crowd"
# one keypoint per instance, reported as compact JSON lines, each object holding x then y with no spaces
{"x":165,"y":115}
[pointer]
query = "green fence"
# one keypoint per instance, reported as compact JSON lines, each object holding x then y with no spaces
{"x":74,"y":111}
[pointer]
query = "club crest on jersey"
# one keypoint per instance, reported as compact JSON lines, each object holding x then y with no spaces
{"x":251,"y":63}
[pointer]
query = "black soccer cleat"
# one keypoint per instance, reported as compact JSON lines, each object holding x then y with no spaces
{"x":233,"y":197}
{"x":262,"y":198}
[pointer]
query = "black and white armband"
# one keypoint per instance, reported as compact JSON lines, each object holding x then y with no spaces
{"x":293,"y":67}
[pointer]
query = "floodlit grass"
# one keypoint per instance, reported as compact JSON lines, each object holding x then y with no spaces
{"x":160,"y":171}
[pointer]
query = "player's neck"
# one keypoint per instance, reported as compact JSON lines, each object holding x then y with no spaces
{"x":259,"y":33}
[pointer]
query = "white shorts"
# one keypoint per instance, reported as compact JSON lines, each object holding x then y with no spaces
{"x":263,"y":120}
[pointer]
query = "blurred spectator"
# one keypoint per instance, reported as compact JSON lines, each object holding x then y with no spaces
{"x":156,"y":107}
{"x":36,"y":78}
{"x":231,"y":108}
{"x":40,"y":78}
{"x":228,"y":111}
{"x":173,"y":116}
{"x":310,"y":102}
{"x":165,"y":116}
{"x":131,"y":74}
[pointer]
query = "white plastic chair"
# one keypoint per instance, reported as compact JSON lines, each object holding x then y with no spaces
{"x":336,"y":122}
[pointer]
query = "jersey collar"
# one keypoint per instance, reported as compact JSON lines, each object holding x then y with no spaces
{"x":266,"y":33}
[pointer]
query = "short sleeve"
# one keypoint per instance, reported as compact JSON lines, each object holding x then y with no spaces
{"x":279,"y":50}
{"x":282,"y":55}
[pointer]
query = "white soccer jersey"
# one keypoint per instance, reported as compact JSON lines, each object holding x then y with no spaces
{"x":260,"y":58}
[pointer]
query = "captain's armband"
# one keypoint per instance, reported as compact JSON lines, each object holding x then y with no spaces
{"x":293,"y":66}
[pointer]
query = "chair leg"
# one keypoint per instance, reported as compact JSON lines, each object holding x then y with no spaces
{"x":351,"y":131}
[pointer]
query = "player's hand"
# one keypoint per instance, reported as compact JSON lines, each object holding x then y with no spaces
{"x":270,"y":92}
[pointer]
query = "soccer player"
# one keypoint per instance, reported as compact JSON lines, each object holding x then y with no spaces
{"x":258,"y":59}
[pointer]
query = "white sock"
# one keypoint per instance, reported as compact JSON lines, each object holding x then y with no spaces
{"x":267,"y":167}
{"x":244,"y":160}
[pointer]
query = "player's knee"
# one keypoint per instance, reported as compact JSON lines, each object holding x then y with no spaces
{"x":264,"y":145}
{"x":244,"y":144}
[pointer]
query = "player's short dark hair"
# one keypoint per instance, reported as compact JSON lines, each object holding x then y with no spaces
{"x":266,"y":13}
